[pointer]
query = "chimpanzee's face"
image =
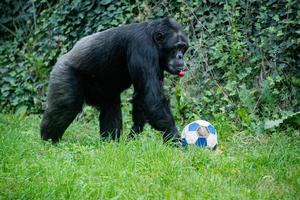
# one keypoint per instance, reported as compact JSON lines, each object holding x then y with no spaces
{"x":173,"y":43}
{"x":176,"y":46}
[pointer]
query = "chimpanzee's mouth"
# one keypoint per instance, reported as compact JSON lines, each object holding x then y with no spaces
{"x":176,"y":70}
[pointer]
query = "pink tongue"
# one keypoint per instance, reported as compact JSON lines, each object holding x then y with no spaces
{"x":181,"y":73}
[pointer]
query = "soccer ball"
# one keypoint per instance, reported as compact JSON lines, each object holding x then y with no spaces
{"x":200,"y":133}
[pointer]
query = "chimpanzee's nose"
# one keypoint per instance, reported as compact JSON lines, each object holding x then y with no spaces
{"x":179,"y":55}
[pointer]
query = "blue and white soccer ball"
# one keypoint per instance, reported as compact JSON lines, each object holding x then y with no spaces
{"x":200,"y":133}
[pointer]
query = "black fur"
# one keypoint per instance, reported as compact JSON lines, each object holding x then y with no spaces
{"x":103,"y":65}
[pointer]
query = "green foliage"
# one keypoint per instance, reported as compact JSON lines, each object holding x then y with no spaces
{"x":243,"y":58}
{"x":83,"y":167}
{"x":292,"y":120}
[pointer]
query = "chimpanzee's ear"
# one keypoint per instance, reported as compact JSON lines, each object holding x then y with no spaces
{"x":159,"y":37}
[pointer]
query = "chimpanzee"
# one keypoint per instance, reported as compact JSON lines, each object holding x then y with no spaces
{"x":102,"y":65}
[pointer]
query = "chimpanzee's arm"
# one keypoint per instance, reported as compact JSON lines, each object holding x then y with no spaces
{"x":146,"y":76}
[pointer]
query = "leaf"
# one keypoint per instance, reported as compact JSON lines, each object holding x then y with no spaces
{"x":105,"y":2}
{"x":269,"y":124}
{"x":293,"y":120}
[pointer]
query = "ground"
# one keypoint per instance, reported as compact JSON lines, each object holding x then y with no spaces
{"x":245,"y":166}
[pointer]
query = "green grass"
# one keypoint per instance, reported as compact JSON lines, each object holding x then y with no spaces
{"x":245,"y":166}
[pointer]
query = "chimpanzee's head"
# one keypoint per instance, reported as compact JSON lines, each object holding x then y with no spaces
{"x":172,"y":44}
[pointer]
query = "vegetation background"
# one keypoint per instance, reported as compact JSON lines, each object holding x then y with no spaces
{"x":244,"y":55}
{"x":244,"y":77}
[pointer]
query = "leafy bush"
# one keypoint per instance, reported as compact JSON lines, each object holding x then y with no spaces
{"x":249,"y":60}
{"x":244,"y":56}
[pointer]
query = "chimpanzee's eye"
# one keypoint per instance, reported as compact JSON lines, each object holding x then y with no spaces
{"x":181,"y":47}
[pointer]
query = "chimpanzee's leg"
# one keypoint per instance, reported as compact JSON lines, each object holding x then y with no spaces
{"x":138,"y":117}
{"x":111,"y":118}
{"x":64,"y":101}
